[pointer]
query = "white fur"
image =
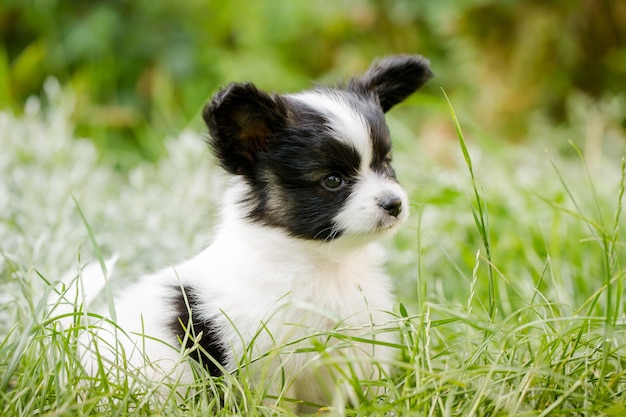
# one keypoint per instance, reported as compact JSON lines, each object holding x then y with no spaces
{"x":269,"y":290}
{"x":346,"y":122}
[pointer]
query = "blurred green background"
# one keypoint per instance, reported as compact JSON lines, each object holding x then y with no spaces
{"x":142,"y":69}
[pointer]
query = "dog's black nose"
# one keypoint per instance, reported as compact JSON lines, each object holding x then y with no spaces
{"x":393,"y":205}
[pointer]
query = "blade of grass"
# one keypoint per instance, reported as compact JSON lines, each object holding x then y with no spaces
{"x":103,"y":267}
{"x":615,"y":261}
{"x":607,"y":250}
{"x":479,"y":212}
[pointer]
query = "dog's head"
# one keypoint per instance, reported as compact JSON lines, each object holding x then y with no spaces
{"x":318,"y":163}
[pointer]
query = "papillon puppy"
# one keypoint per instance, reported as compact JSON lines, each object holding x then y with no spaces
{"x":292,"y":289}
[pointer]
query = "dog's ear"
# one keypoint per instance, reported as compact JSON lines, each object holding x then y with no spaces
{"x":393,"y":79}
{"x":241,"y":120}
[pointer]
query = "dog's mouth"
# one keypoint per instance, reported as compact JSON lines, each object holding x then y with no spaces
{"x":387,"y":224}
{"x":376,"y":222}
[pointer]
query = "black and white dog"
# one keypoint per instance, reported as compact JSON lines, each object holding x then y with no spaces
{"x":294,"y":260}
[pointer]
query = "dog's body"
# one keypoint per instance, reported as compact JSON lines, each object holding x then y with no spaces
{"x":267,"y":291}
{"x":294,"y":260}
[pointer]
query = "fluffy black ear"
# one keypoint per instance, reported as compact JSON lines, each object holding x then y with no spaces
{"x":393,"y":79}
{"x":241,"y":120}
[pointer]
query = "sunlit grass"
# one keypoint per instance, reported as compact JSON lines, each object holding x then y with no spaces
{"x":509,"y":276}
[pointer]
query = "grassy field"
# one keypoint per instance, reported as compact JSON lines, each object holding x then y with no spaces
{"x":509,"y":274}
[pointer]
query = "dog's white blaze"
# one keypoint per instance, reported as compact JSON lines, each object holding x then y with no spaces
{"x":349,"y":125}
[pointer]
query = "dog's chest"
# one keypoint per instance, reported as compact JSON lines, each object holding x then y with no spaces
{"x":297,"y":301}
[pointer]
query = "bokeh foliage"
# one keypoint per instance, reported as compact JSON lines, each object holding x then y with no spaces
{"x":142,"y":69}
{"x":134,"y":72}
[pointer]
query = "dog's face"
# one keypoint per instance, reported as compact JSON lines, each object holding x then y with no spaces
{"x":318,"y":163}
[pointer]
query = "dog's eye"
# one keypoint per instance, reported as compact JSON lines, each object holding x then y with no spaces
{"x":387,"y":166}
{"x":333,"y":182}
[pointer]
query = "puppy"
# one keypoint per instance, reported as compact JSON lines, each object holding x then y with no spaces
{"x":292,"y":289}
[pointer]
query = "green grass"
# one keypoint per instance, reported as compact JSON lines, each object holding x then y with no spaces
{"x":509,"y":274}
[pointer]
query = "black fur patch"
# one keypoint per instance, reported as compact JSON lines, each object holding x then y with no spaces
{"x":393,"y":79}
{"x":287,"y":190}
{"x":185,"y":324}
